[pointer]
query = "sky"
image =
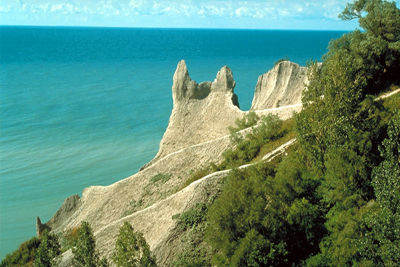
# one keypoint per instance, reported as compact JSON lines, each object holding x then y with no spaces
{"x":250,"y":14}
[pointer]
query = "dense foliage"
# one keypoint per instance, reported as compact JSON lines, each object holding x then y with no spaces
{"x":24,"y":255}
{"x":48,"y":250}
{"x":249,"y":120}
{"x":341,"y":127}
{"x":85,"y":253}
{"x":247,"y":147}
{"x":334,"y":200}
{"x":131,"y":249}
{"x":380,"y":244}
{"x":194,"y":250}
{"x":260,"y":210}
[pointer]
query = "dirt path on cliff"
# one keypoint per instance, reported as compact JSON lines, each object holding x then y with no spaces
{"x":271,"y":155}
{"x":389,"y":94}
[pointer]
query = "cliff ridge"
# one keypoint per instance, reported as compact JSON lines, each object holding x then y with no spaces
{"x":197,"y":134}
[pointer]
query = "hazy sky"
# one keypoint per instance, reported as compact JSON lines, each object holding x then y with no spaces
{"x":258,"y":14}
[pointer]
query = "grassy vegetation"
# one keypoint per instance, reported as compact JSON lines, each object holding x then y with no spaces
{"x":192,"y":217}
{"x":69,"y":238}
{"x":247,"y":148}
{"x":287,"y":133}
{"x":200,"y":173}
{"x":24,"y":255}
{"x":249,"y":120}
{"x":267,"y":136}
{"x":133,"y":206}
{"x":193,"y":224}
{"x":195,"y":251}
{"x":161,"y":177}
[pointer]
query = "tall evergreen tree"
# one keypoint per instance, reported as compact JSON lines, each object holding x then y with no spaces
{"x":341,"y":127}
{"x":380,"y":245}
{"x":131,"y":249}
{"x":85,"y":254}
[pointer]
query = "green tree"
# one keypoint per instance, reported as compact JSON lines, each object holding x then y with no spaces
{"x":341,"y":127}
{"x":249,"y":120}
{"x":48,"y":250}
{"x":24,"y":255}
{"x":131,"y":249}
{"x":378,"y":48}
{"x":236,"y":217}
{"x":247,"y":148}
{"x":266,"y":217}
{"x":84,"y":251}
{"x":381,"y":243}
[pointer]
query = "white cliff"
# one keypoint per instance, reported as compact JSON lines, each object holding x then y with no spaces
{"x":197,"y":135}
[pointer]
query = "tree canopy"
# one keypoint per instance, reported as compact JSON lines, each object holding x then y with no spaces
{"x":131,"y":249}
{"x":331,"y":201}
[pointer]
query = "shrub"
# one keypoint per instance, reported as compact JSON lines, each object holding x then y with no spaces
{"x":161,"y":177}
{"x":48,"y":250}
{"x":247,"y":148}
{"x":69,"y":238}
{"x":24,"y":255}
{"x":85,"y":254}
{"x":200,"y":173}
{"x":131,"y":249}
{"x":195,"y":251}
{"x":192,"y":217}
{"x":250,"y":119}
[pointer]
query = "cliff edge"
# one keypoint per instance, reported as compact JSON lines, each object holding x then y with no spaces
{"x":281,"y":86}
{"x":197,"y":135}
{"x":201,"y":112}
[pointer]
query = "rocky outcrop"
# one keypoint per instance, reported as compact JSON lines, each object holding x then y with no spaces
{"x":197,"y":134}
{"x":281,"y":86}
{"x":70,"y":205}
{"x":40,"y":227}
{"x":201,"y":112}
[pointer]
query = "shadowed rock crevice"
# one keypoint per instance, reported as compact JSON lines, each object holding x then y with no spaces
{"x":40,"y":227}
{"x":185,"y":88}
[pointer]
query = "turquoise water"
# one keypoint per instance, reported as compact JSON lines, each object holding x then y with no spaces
{"x":88,"y":106}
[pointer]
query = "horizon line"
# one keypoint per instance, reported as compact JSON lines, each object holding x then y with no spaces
{"x":167,"y":28}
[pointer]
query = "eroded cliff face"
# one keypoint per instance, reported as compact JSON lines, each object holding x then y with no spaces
{"x":201,"y":112}
{"x":281,"y":86}
{"x":197,"y":135}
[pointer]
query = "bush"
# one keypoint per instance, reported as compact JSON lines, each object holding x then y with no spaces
{"x":250,"y":119}
{"x":192,"y":217}
{"x":85,"y":254}
{"x":161,"y":177}
{"x":200,"y":173}
{"x":48,"y":250}
{"x":131,"y":249}
{"x":380,"y":243}
{"x":24,"y":255}
{"x":267,"y":215}
{"x":69,"y":238}
{"x":193,"y":223}
{"x":247,"y":148}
